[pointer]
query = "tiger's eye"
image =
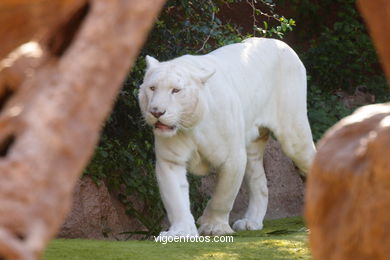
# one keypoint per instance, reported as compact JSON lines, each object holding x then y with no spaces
{"x":152,"y":88}
{"x":175,"y":90}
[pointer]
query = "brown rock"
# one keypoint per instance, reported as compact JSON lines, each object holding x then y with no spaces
{"x":348,"y":191}
{"x":96,"y":214}
{"x":360,"y":97}
{"x":285,"y":187}
{"x":50,"y":124}
{"x":22,"y":20}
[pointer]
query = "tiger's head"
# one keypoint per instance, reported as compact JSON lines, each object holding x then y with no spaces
{"x":171,"y":95}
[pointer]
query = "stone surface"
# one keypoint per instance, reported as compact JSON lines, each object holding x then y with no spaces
{"x":360,"y":97}
{"x":49,"y":125}
{"x":348,"y":192}
{"x":285,"y":186}
{"x":96,"y":214}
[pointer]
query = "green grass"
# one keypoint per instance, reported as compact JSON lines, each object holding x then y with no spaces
{"x":280,"y":239}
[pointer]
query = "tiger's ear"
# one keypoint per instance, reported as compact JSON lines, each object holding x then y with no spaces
{"x":151,"y":62}
{"x":205,"y":74}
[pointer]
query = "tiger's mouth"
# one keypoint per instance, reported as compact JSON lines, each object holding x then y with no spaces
{"x":163,"y":127}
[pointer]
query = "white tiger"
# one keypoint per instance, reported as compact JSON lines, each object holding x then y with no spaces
{"x":214,"y":111}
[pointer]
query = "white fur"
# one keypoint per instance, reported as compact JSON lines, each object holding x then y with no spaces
{"x":227,"y":100}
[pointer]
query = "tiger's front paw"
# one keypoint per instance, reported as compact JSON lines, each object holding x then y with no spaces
{"x":215,"y":229}
{"x":246,"y":224}
{"x":184,"y":229}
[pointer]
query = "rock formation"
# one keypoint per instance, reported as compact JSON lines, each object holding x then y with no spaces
{"x":348,"y":190}
{"x":52,"y":109}
{"x":97,"y":214}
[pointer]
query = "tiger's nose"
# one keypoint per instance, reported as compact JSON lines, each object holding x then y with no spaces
{"x":156,"y":113}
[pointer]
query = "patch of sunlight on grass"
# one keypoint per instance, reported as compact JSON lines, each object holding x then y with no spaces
{"x":218,"y":255}
{"x":292,"y":247}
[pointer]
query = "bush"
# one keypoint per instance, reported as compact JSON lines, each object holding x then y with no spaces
{"x":338,"y":54}
{"x":324,"y":110}
{"x":342,"y":57}
{"x":333,"y":43}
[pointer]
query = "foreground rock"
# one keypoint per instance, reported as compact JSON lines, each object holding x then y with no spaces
{"x":49,"y":124}
{"x":348,"y":191}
